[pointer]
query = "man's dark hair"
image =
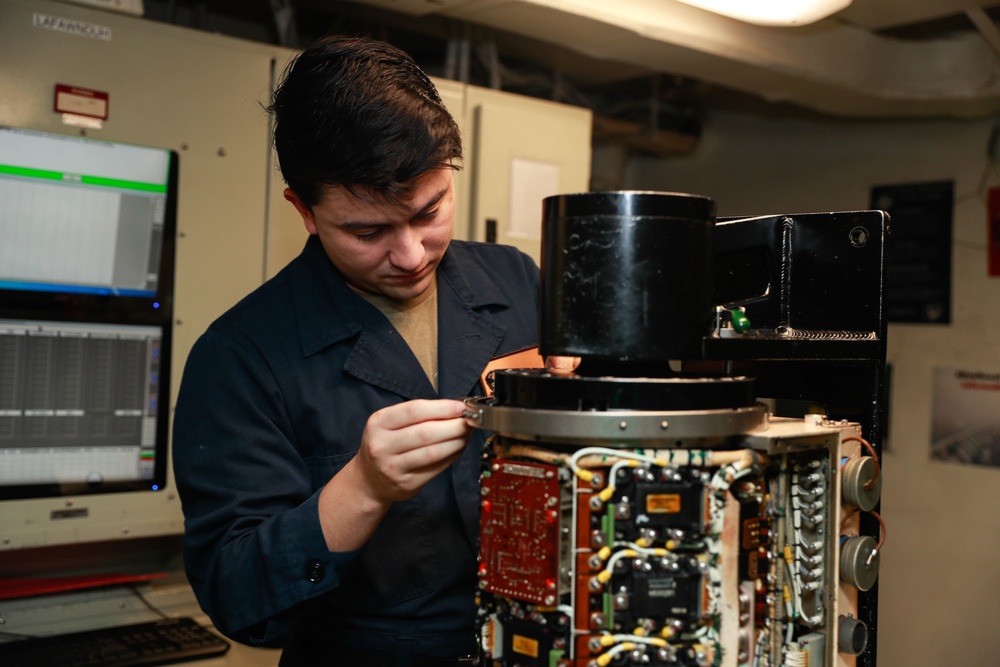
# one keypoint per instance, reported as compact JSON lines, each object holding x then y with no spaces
{"x":359,"y":113}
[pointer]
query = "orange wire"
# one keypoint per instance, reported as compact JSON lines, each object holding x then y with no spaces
{"x":882,"y":529}
{"x":881,"y":536}
{"x":871,"y":450}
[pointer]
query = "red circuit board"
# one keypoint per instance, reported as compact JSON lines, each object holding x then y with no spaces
{"x":520,"y":522}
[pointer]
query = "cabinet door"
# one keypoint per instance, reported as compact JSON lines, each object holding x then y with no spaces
{"x":523,"y":150}
{"x":453,"y":95}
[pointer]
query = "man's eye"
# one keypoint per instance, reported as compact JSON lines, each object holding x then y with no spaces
{"x":427,"y":215}
{"x":369,"y":236}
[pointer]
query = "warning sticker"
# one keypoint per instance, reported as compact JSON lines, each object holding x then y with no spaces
{"x":663,"y":503}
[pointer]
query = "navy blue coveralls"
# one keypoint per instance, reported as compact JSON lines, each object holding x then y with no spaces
{"x":273,"y":403}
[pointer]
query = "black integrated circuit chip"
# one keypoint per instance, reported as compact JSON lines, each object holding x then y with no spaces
{"x":660,"y":593}
{"x":526,"y":643}
{"x":677,"y":504}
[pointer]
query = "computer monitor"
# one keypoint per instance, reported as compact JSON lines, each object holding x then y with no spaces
{"x":81,"y":215}
{"x":86,"y":309}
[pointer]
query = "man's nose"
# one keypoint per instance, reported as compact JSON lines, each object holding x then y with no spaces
{"x":407,"y":252}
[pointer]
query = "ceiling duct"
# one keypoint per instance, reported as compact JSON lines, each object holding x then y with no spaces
{"x":830,"y":66}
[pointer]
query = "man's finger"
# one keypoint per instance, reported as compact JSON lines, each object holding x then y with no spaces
{"x":406,"y":414}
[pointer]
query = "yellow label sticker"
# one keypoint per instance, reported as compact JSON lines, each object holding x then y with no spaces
{"x":663,"y":503}
{"x":525,"y":646}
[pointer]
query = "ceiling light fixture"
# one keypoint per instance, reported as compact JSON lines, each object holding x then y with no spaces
{"x":773,"y":12}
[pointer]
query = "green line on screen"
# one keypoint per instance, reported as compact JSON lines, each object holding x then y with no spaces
{"x":33,"y":173}
{"x":126,"y":185}
{"x":87,"y":180}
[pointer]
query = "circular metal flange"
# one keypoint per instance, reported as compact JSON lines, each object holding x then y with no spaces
{"x":537,"y":388}
{"x":613,"y":428}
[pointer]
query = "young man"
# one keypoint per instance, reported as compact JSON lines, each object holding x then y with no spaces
{"x":330,"y":488}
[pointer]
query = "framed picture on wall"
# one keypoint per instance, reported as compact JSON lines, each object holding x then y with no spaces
{"x":920,"y":247}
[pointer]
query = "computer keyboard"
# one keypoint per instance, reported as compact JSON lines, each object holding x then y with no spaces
{"x":155,"y":643}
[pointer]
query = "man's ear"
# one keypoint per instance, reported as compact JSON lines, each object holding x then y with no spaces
{"x":307,"y":215}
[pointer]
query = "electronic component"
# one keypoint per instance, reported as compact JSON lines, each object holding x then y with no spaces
{"x":520,"y":531}
{"x":668,"y":588}
{"x":85,"y":335}
{"x":634,"y":514}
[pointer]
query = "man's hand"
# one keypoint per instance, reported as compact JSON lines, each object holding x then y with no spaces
{"x":404,"y":446}
{"x":561,"y":365}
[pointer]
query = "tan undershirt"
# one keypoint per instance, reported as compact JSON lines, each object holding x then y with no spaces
{"x":417,"y":322}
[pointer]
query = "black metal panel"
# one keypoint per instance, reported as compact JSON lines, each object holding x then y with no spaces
{"x":817,"y":272}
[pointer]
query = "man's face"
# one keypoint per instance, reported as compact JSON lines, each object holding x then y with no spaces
{"x":384,"y":249}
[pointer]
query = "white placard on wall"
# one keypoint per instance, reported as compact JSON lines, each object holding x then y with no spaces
{"x":531,"y":181}
{"x":966,"y":417}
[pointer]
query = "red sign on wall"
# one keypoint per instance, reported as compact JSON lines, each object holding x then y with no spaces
{"x":81,"y":101}
{"x":993,"y":232}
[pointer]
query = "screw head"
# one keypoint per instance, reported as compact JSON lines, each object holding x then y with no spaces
{"x":859,"y":237}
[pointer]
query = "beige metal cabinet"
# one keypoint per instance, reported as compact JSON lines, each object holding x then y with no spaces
{"x":193,"y":92}
{"x":203,"y":95}
{"x":196,"y":93}
{"x":523,"y":149}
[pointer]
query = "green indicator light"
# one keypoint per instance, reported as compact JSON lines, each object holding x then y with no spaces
{"x":740,"y":322}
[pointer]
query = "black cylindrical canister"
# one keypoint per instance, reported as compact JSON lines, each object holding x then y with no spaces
{"x":626,"y":276}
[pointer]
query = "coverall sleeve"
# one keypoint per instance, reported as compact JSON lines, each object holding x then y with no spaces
{"x":253,"y":546}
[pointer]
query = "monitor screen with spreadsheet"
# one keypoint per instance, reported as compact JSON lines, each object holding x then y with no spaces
{"x":80,"y":215}
{"x":86,"y":303}
{"x":78,"y":403}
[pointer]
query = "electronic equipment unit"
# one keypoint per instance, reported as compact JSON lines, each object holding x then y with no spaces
{"x":86,"y":318}
{"x":655,"y":507}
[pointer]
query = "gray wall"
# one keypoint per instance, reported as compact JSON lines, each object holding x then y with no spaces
{"x":939,"y":582}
